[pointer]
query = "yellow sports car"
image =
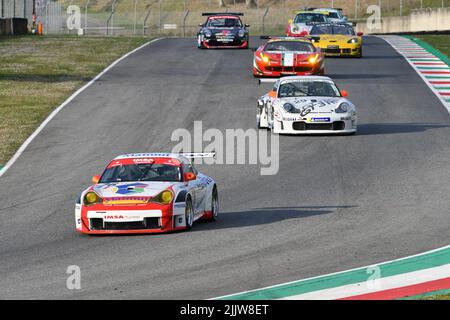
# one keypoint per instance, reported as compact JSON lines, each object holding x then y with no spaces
{"x":337,"y":39}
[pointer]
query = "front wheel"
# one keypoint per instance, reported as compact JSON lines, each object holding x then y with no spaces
{"x":199,"y":42}
{"x":189,"y":214}
{"x":214,"y":205}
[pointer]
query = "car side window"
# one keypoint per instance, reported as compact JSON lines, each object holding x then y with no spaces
{"x":189,"y":167}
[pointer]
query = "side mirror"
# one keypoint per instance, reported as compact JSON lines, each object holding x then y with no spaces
{"x":200,"y":24}
{"x":95,"y":179}
{"x":189,"y":176}
{"x":247,"y":25}
{"x":360,"y":34}
{"x":345,"y":18}
{"x":344,"y":93}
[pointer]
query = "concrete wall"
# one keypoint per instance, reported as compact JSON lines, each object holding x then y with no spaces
{"x":436,"y":19}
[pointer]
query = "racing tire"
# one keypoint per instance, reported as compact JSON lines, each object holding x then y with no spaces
{"x":214,"y":205}
{"x":189,"y":214}
{"x":359,"y":56}
{"x":199,"y":43}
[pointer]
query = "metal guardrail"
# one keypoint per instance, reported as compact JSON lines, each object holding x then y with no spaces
{"x":181,"y":17}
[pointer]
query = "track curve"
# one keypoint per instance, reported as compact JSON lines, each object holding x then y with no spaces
{"x":336,"y":203}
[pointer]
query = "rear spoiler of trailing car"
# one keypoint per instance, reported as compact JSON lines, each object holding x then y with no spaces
{"x":222,"y":13}
{"x":311,"y":9}
{"x":194,"y":155}
{"x":267,"y":80}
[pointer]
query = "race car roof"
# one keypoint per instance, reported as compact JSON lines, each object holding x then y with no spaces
{"x":328,"y":24}
{"x":306,"y":78}
{"x":189,"y":155}
{"x":309,"y":11}
{"x":294,"y":39}
{"x":222,"y":14}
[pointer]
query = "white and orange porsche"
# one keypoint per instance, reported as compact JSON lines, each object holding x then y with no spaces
{"x":147,"y":193}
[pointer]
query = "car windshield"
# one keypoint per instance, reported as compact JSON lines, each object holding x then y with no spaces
{"x":224,"y":22}
{"x":309,"y":17}
{"x":303,"y":88}
{"x":333,"y":29}
{"x":334,"y":15}
{"x":141,"y":172}
{"x":289,"y":46}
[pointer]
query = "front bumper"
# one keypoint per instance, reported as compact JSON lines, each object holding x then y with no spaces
{"x":348,"y":50}
{"x":235,"y":42}
{"x":336,"y":125}
{"x":260,"y":70}
{"x":127,"y":220}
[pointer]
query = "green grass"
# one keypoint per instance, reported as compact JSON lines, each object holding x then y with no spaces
{"x":39,"y":73}
{"x":438,"y":297}
{"x":439,"y":42}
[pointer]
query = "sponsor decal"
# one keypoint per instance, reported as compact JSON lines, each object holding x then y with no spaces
{"x":129,"y":188}
{"x":126,"y":200}
{"x":320,"y":120}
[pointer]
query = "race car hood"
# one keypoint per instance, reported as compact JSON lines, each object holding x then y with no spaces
{"x":312,"y":104}
{"x":332,"y":38}
{"x":131,"y":189}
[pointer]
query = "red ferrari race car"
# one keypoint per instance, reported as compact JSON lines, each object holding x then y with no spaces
{"x":288,"y":56}
{"x":147,"y":193}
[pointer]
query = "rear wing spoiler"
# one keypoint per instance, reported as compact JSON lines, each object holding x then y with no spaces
{"x":267,"y":80}
{"x":222,"y":13}
{"x":311,"y":9}
{"x":196,"y":155}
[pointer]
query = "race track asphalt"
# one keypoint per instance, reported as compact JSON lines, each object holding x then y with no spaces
{"x":337,"y":202}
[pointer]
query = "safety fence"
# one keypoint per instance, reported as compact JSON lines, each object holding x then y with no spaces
{"x":182,"y":17}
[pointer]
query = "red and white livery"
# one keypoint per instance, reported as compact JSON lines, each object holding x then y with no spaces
{"x":147,"y":193}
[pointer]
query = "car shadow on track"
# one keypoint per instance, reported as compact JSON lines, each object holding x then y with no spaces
{"x":262,"y":216}
{"x":392,"y":128}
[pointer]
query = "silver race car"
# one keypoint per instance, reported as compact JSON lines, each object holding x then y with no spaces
{"x":306,"y":105}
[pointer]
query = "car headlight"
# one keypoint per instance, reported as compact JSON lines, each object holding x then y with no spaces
{"x":289,"y":108}
{"x":241,"y":33}
{"x":164,"y":197}
{"x":343,"y":107}
{"x":207,"y":33}
{"x":265,"y":58}
{"x":353,"y":40}
{"x":91,"y":198}
{"x":260,"y":103}
{"x":294,"y":29}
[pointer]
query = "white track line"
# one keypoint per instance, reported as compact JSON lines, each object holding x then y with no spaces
{"x":68,"y":100}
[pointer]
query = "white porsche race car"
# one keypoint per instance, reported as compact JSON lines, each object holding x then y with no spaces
{"x":306,"y":105}
{"x":147,"y":193}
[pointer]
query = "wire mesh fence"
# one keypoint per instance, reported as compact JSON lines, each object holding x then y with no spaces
{"x":182,"y":17}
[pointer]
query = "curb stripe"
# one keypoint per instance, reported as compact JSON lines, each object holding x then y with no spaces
{"x":428,"y":62}
{"x":380,"y":285}
{"x":66,"y":102}
{"x":413,"y":290}
{"x":431,"y":259}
